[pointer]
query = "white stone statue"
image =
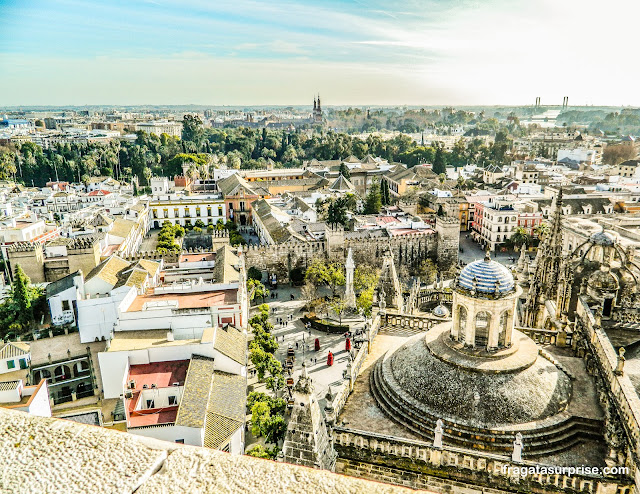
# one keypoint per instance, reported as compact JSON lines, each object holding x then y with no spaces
{"x":517,"y":448}
{"x":349,"y":295}
{"x":437,"y":439}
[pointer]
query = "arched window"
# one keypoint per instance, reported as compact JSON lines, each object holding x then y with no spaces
{"x":504,"y":324}
{"x":61,"y":373}
{"x":39,"y":375}
{"x":482,"y":329}
{"x":81,"y":368}
{"x":462,"y":322}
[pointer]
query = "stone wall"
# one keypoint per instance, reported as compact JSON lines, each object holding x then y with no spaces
{"x":31,"y":258}
{"x":419,"y":465}
{"x":448,"y":230}
{"x":353,"y":369}
{"x":407,"y":249}
{"x":618,"y":396}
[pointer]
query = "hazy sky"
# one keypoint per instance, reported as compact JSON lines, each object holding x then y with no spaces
{"x":359,"y":52}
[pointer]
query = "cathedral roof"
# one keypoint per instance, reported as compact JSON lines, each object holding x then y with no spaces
{"x":486,"y":276}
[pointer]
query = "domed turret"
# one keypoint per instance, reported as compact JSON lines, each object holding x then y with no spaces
{"x":441,"y":311}
{"x":486,"y":277}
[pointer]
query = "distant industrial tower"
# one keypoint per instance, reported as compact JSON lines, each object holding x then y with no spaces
{"x":537,"y":101}
{"x":317,"y":110}
{"x":565,"y":102}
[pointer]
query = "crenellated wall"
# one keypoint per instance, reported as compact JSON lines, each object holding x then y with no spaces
{"x":407,"y":249}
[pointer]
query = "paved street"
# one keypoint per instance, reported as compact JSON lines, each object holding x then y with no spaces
{"x":150,"y":241}
{"x":293,"y":333}
{"x":472,"y":251}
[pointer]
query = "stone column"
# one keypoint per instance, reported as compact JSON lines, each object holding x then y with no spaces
{"x":470,"y":327}
{"x":494,"y":330}
{"x":455,"y":322}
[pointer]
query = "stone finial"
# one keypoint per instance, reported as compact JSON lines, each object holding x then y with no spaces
{"x":517,"y":448}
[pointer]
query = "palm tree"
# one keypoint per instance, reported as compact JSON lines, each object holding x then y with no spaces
{"x":541,"y":230}
{"x":521,"y":237}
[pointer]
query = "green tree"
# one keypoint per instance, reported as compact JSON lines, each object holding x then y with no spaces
{"x":330,"y":274}
{"x":520,"y":236}
{"x":427,"y":271}
{"x":541,"y":230}
{"x":259,"y":451}
{"x":21,"y":294}
{"x":439,"y":161}
{"x":373,"y":202}
{"x":256,"y":289}
{"x":385,"y":194}
{"x":339,"y":305}
{"x":344,"y":171}
{"x":337,"y":212}
{"x":254,"y":274}
{"x":192,"y":131}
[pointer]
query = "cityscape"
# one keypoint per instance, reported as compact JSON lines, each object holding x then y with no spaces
{"x":294,"y":248}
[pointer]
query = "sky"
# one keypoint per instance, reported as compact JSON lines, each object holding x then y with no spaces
{"x":352,"y":52}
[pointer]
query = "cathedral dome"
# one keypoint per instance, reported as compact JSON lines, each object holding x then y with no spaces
{"x":486,"y":276}
{"x":603,"y":238}
{"x":418,"y":374}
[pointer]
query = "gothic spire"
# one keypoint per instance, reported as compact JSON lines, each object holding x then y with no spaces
{"x":555,"y":237}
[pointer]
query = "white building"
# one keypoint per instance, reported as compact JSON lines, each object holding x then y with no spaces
{"x":182,"y":210}
{"x":580,"y":155}
{"x":185,"y":391}
{"x":160,"y":127}
{"x":62,"y":296}
{"x":14,"y":356}
{"x":31,"y":399}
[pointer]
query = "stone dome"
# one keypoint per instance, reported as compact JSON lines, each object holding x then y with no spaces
{"x":441,"y":311}
{"x":465,"y":396}
{"x":603,"y":238}
{"x":486,"y":276}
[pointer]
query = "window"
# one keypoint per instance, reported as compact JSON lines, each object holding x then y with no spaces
{"x":150,"y":404}
{"x":219,"y":211}
{"x":180,"y":441}
{"x":11,"y":364}
{"x":173,"y":401}
{"x":208,"y":211}
{"x":23,"y":363}
{"x":65,"y":305}
{"x":241,"y":206}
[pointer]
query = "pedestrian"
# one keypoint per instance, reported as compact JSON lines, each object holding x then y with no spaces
{"x":296,"y":345}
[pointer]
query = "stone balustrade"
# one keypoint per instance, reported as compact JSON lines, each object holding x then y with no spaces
{"x":344,"y":390}
{"x":421,"y":323}
{"x":413,"y":461}
{"x":622,"y":390}
{"x":546,"y":336}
